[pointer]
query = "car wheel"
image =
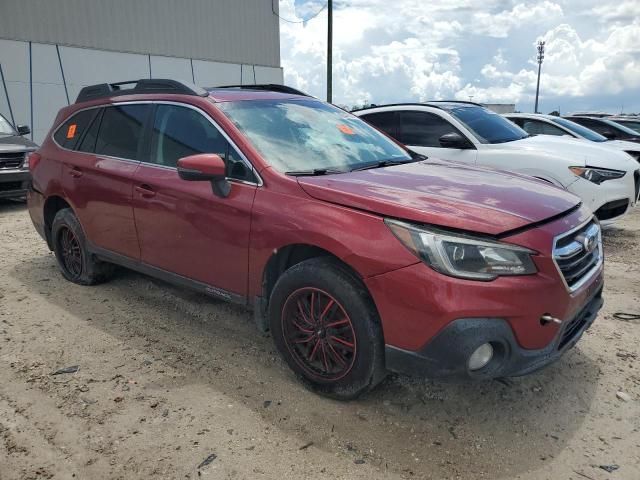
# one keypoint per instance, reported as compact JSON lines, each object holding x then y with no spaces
{"x":76,"y":263}
{"x":327,"y":329}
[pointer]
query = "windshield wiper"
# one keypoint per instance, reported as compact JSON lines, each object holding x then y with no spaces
{"x":385,"y":163}
{"x":313,"y":172}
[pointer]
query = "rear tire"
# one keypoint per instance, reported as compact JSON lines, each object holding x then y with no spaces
{"x":327,"y":329}
{"x":76,"y":263}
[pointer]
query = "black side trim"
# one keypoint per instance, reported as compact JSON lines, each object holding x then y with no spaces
{"x":169,"y":277}
{"x":446,"y":355}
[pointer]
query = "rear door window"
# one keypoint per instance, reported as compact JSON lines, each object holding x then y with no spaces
{"x":423,"y":129}
{"x":121,"y":131}
{"x":88,"y":142}
{"x":536,"y":127}
{"x":69,"y":133}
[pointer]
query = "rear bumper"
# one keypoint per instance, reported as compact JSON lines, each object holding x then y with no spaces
{"x":35,"y":204}
{"x":14,"y":183}
{"x":447,"y":354}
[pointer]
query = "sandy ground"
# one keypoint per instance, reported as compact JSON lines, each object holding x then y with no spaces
{"x":167,"y":378}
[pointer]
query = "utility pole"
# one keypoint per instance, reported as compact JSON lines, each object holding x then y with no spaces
{"x":329,"y":51}
{"x":540,"y":59}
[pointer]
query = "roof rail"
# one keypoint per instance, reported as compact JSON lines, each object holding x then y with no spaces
{"x":145,"y":85}
{"x":270,"y":87}
{"x":429,"y":103}
{"x":456,"y":101}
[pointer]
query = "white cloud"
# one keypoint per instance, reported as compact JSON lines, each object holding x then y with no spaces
{"x":414,"y":50}
{"x":500,"y":24}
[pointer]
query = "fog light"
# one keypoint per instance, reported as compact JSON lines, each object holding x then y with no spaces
{"x":481,"y":357}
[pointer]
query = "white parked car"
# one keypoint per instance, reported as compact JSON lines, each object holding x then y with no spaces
{"x":538,"y":124}
{"x":608,"y":181}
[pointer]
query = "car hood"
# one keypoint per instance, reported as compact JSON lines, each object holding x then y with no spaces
{"x":446,"y":194}
{"x":622,"y":145}
{"x":16,"y":141}
{"x":573,"y":151}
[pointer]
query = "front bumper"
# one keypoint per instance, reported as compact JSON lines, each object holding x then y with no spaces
{"x":14,"y":183}
{"x":447,"y":354}
{"x":610,"y":200}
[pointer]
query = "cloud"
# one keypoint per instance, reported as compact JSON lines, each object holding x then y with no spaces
{"x":500,"y":24}
{"x":573,"y":67}
{"x":413,"y":50}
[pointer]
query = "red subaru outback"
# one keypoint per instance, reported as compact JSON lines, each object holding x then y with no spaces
{"x":359,"y":256}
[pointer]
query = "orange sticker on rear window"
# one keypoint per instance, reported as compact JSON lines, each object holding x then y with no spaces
{"x":347,"y":130}
{"x":71,"y":132}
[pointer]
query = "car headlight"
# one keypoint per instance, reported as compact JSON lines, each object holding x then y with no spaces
{"x":597,"y":175}
{"x":25,"y":162}
{"x":463,"y":256}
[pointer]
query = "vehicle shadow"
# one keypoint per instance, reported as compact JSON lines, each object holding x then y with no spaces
{"x":10,"y":205}
{"x":415,"y":427}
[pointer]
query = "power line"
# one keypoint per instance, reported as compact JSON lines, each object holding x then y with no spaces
{"x":273,"y":9}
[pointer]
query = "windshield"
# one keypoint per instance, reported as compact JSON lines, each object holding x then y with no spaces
{"x":632,"y":124}
{"x":305,"y":134}
{"x":487,"y":126}
{"x":580,"y":130}
{"x":5,"y":127}
{"x":619,"y":126}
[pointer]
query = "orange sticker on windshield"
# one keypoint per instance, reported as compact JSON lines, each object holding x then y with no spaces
{"x":71,"y":132}
{"x":346,"y":129}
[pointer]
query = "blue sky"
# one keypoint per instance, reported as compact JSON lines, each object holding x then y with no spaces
{"x":414,"y":50}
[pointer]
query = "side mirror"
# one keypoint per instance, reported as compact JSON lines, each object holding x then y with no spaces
{"x":23,"y":129}
{"x":207,"y":167}
{"x":610,"y":135}
{"x":454,"y":140}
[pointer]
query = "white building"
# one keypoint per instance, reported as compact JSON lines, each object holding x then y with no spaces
{"x":50,"y":49}
{"x":500,"y":107}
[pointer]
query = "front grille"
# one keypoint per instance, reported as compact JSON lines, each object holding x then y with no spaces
{"x":578,"y":254}
{"x":10,"y":186}
{"x":636,"y":178}
{"x":11,"y":160}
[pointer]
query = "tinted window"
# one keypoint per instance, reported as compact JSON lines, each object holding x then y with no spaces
{"x":385,"y":121}
{"x":488,"y":126}
{"x":589,"y":123}
{"x":536,"y":127}
{"x":580,"y":130}
{"x":625,"y":132}
{"x":88,"y":142}
{"x":306,"y":134}
{"x":517,"y":121}
{"x":632,"y":124}
{"x":68,"y":134}
{"x":423,"y":129}
{"x":180,"y":131}
{"x":121,"y":131}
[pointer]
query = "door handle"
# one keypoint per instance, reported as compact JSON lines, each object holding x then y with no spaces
{"x":75,"y":172}
{"x":145,"y":190}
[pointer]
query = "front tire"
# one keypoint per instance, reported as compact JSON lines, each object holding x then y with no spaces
{"x":76,"y":263}
{"x":327,"y":329}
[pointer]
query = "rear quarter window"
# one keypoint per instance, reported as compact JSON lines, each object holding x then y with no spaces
{"x":70,"y":131}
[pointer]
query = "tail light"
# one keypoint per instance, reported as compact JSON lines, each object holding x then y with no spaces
{"x":32,"y":160}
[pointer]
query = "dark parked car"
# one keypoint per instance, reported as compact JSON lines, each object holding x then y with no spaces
{"x":359,"y":256}
{"x":607,"y":128}
{"x":14,"y":164}
{"x":630,"y":122}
